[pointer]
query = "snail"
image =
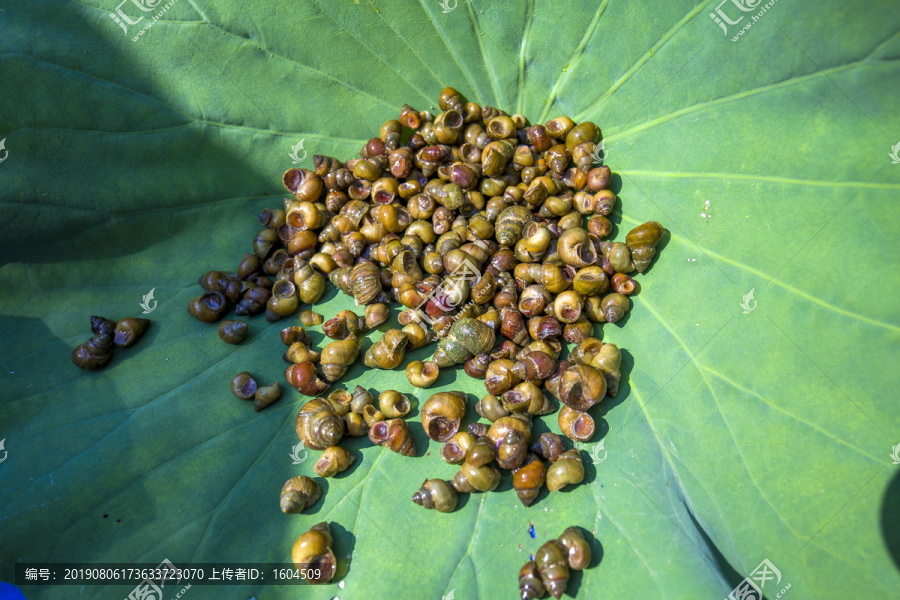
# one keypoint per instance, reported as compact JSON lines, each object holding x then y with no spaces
{"x":455,"y":450}
{"x":303,"y":183}
{"x":394,"y":435}
{"x":567,"y":469}
{"x":417,"y":335}
{"x":529,"y":478}
{"x":313,"y":554}
{"x":512,"y":325}
{"x":129,"y":330}
{"x":530,"y":585}
{"x":304,"y":378}
{"x":585,"y":351}
{"x":436,"y":494}
{"x":470,"y":478}
{"x":232,"y":332}
{"x":501,"y":375}
{"x":520,"y":423}
{"x":310,"y":318}
{"x":93,"y":354}
{"x":266,"y":395}
{"x":608,"y":361}
{"x":512,"y":451}
{"x":283,"y":301}
{"x":298,"y":494}
{"x":365,"y":283}
{"x":509,"y":225}
{"x":355,"y":425}
{"x":375,"y":315}
{"x":536,"y":365}
{"x":243,"y":386}
{"x":343,"y":324}
{"x":393,"y":404}
{"x":318,"y":425}
{"x":643,"y":240}
{"x":578,"y":551}
{"x":298,"y":352}
{"x":581,"y":387}
{"x":482,"y":452}
{"x":209,"y":308}
{"x":372,"y":415}
{"x":388,"y":352}
{"x":549,"y":446}
{"x":102,"y":325}
{"x":310,"y":284}
{"x":476,"y":367}
{"x":527,"y":397}
{"x":577,"y":331}
{"x":490,"y":408}
{"x":442,"y":413}
{"x":576,"y":248}
{"x":422,"y":374}
{"x":623,"y":284}
{"x":338,"y":356}
{"x":333,"y":461}
{"x":614,"y":306}
{"x":467,"y":337}
{"x":340,"y":401}
{"x":550,"y":560}
{"x":576,"y":425}
{"x":360,"y":398}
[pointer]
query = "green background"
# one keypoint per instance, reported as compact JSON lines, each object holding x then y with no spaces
{"x":737,"y":437}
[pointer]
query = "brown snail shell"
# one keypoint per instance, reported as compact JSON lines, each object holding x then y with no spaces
{"x":343,"y":324}
{"x":129,"y":330}
{"x":365,"y":281}
{"x":93,"y":354}
{"x":578,"y":550}
{"x":501,"y":375}
{"x":304,"y":378}
{"x":338,"y":356}
{"x":470,"y":478}
{"x":266,"y":395}
{"x":388,"y":352}
{"x":549,"y":446}
{"x":442,"y":413}
{"x":508,"y":228}
{"x":313,"y":554}
{"x":436,"y":494}
{"x":512,"y":451}
{"x":576,"y":425}
{"x":298,"y":494}
{"x":529,"y":479}
{"x":643,"y":240}
{"x":333,"y":461}
{"x":567,"y":469}
{"x":422,"y":374}
{"x":102,"y":325}
{"x":491,"y":408}
{"x":608,"y":361}
{"x":318,"y":425}
{"x":584,"y":352}
{"x":614,"y":306}
{"x":530,"y":585}
{"x":209,"y":308}
{"x":520,"y":423}
{"x":394,"y":435}
{"x":550,"y":560}
{"x":581,"y":387}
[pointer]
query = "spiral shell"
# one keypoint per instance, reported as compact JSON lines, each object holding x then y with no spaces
{"x":318,"y":425}
{"x":365,"y":282}
{"x":614,"y":306}
{"x":470,"y":478}
{"x":93,"y":354}
{"x":529,"y":479}
{"x":550,"y":560}
{"x":568,"y":469}
{"x":508,"y":228}
{"x":608,"y":361}
{"x":530,"y":585}
{"x":388,"y":352}
{"x":338,"y":356}
{"x":643,"y":240}
{"x":512,"y":451}
{"x":304,"y":378}
{"x":549,"y":446}
{"x":313,"y":554}
{"x":454,"y":451}
{"x":576,"y":425}
{"x":298,"y":494}
{"x":578,"y":551}
{"x":442,"y":413}
{"x":467,"y":337}
{"x":394,"y":435}
{"x":581,"y":387}
{"x":436,"y":494}
{"x":333,"y":461}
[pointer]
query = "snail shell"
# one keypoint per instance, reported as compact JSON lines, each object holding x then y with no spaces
{"x":576,"y":425}
{"x":530,"y":585}
{"x":643,"y":240}
{"x":467,"y":337}
{"x":394,"y":435}
{"x":388,"y":352}
{"x":549,"y":446}
{"x":512,"y":451}
{"x":436,"y":494}
{"x":614,"y":306}
{"x":491,"y":408}
{"x":581,"y":387}
{"x":529,"y":478}
{"x":578,"y":551}
{"x":508,"y":228}
{"x":312,"y":553}
{"x":318,"y":425}
{"x":520,"y":423}
{"x":129,"y":330}
{"x":470,"y":478}
{"x":567,"y":469}
{"x":333,"y":461}
{"x":93,"y":354}
{"x":442,"y":413}
{"x":338,"y":356}
{"x":298,"y":494}
{"x":608,"y":361}
{"x":304,"y":378}
{"x":365,"y":282}
{"x":457,"y":447}
{"x":481,"y":453}
{"x":550,"y":560}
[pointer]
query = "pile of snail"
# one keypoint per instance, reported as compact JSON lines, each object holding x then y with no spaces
{"x":96,"y":353}
{"x":492,"y":234}
{"x":549,"y":570}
